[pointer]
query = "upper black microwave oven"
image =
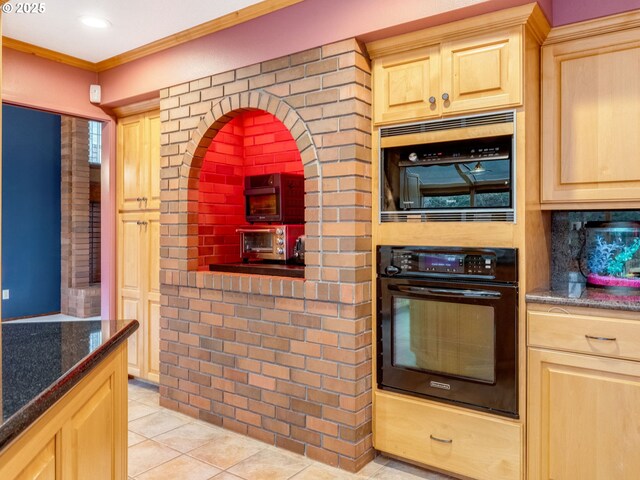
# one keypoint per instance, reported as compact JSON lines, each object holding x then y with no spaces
{"x":275,"y":197}
{"x":459,"y":169}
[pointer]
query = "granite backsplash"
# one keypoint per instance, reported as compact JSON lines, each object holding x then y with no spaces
{"x":568,"y":264}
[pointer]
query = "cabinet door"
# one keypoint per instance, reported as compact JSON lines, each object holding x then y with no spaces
{"x":131,"y":162}
{"x":42,"y":466}
{"x":139,"y":162}
{"x":131,"y":285}
{"x":92,"y":449}
{"x":152,"y":301}
{"x":590,"y":121}
{"x":584,"y":413}
{"x":403,"y":84}
{"x":482,"y":72}
{"x":152,"y":171}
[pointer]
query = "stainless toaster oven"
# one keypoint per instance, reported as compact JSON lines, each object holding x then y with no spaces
{"x":268,"y":242}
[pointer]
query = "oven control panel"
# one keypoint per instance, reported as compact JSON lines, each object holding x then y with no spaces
{"x":447,"y":262}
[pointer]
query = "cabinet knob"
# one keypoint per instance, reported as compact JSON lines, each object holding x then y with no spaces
{"x":445,"y":96}
{"x":432,"y":100}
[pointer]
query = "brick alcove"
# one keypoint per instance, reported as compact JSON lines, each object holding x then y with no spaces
{"x":283,"y":360}
{"x":254,"y":142}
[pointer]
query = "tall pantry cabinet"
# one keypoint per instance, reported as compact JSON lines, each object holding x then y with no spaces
{"x":138,"y":232}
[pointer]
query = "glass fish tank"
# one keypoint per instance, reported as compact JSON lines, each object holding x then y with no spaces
{"x":613,"y":255}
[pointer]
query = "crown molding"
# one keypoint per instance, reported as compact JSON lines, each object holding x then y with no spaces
{"x":235,"y":18}
{"x":41,"y":52}
{"x":529,"y":14}
{"x":598,"y":26}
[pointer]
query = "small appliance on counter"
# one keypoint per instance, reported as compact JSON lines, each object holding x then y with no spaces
{"x":298,"y":250}
{"x":613,"y":255}
{"x":274,"y":198}
{"x":269,"y":242}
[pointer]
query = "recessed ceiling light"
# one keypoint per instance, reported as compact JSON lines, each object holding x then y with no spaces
{"x":95,"y":22}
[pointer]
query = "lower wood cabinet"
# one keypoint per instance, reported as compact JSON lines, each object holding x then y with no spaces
{"x":447,"y":438}
{"x":83,"y":436}
{"x":584,"y":402}
{"x":138,"y":276}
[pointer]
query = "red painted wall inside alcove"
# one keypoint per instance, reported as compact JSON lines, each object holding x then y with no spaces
{"x":253,"y":143}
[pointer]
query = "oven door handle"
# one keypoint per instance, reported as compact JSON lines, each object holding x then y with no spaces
{"x":446,"y":292}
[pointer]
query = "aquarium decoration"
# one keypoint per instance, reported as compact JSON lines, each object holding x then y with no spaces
{"x":613,"y":254}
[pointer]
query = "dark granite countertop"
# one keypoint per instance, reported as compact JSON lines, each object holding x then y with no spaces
{"x":41,"y":361}
{"x":587,"y":297}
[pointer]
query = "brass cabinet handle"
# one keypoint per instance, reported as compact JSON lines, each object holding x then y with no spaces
{"x":604,"y":339}
{"x":441,"y":440}
{"x":445,"y":96}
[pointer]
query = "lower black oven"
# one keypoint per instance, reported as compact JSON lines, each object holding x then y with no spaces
{"x":447,"y":325}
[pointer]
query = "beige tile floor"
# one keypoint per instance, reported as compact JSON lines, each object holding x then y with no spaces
{"x":166,"y":445}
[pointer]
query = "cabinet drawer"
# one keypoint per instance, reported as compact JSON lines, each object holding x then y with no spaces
{"x":611,"y":337}
{"x":447,"y":438}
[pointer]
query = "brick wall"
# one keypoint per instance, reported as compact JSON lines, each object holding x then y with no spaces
{"x":78,"y":297}
{"x":253,"y":143}
{"x":282,"y":360}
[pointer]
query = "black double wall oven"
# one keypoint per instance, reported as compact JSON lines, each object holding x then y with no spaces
{"x":447,"y":325}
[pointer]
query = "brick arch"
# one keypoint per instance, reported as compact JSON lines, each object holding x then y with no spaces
{"x":210,"y":124}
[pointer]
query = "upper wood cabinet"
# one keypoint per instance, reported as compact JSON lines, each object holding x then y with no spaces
{"x":403,"y":83}
{"x":139,"y":162}
{"x":463,"y":67}
{"x":482,"y":72}
{"x":591,"y":115}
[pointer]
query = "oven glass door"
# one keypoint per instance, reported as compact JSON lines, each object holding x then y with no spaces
{"x":258,"y":241}
{"x":263,"y":205}
{"x":455,"y":342}
{"x":481,"y":184}
{"x":455,"y":339}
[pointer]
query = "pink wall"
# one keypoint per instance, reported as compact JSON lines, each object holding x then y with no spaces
{"x":39,"y":83}
{"x":571,"y":11}
{"x":302,"y":26}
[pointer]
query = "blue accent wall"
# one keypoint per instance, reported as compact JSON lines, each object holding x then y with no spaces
{"x":30,"y":212}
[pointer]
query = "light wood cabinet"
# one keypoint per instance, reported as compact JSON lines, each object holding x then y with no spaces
{"x":584,"y":408}
{"x":139,"y":288}
{"x":139,"y":162}
{"x":450,"y":439}
{"x":591,"y":117}
{"x":138,"y":251}
{"x":403,"y":84}
{"x":459,"y":76}
{"x":84,"y":435}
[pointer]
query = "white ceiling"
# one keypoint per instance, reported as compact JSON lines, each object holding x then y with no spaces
{"x":134,"y":23}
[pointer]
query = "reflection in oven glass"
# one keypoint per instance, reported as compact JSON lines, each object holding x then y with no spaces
{"x":263,"y":204}
{"x":455,"y":339}
{"x":258,"y":242}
